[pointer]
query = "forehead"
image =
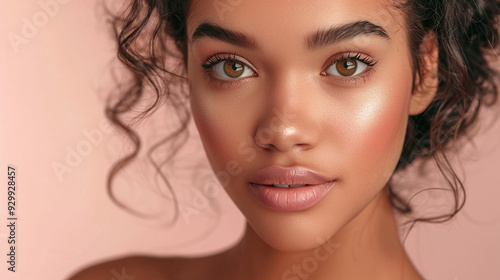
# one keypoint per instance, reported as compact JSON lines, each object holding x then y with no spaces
{"x":269,"y":19}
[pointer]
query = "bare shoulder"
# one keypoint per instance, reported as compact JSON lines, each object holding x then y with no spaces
{"x":132,"y":267}
{"x":152,"y":268}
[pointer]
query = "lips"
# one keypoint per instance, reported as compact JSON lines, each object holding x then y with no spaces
{"x":288,"y":186}
{"x":293,"y":176}
{"x":289,"y":189}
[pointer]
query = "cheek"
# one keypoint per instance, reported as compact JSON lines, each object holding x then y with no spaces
{"x":220,"y":131}
{"x":209,"y":127}
{"x":376,"y":133}
{"x":208,"y":119}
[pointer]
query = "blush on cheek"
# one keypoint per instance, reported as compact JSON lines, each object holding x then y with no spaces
{"x":381,"y":131}
{"x":211,"y":135}
{"x":218,"y":136}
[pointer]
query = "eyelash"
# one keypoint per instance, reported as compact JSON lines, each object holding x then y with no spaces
{"x":356,"y":56}
{"x":353,"y":80}
{"x":219,"y":57}
{"x":215,"y":59}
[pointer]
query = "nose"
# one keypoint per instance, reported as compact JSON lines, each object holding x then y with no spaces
{"x":290,"y":119}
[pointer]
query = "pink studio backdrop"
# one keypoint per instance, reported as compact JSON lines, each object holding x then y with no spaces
{"x":54,"y":76}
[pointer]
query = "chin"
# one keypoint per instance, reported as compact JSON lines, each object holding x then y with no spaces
{"x":297,"y":231}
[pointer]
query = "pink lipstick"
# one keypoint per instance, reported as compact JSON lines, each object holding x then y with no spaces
{"x":289,"y":189}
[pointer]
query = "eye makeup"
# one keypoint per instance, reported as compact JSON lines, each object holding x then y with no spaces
{"x":350,"y":68}
{"x":228,"y":69}
{"x":234,"y":67}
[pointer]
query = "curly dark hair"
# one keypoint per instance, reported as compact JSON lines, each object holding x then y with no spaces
{"x":466,"y":32}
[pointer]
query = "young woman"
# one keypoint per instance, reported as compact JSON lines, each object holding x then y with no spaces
{"x":305,"y":110}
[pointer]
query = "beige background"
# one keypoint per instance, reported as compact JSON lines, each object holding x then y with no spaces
{"x":54,"y":77}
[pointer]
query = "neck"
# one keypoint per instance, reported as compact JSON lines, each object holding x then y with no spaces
{"x":366,"y":248}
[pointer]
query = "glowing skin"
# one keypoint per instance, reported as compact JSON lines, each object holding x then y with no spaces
{"x":287,"y":106}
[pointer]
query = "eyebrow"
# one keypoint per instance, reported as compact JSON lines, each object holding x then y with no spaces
{"x":348,"y":31}
{"x":216,"y":32}
{"x":318,"y":40}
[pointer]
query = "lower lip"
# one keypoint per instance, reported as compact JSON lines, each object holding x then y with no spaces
{"x":291,"y":199}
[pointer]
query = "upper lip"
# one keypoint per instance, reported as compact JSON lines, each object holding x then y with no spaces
{"x":274,"y":175}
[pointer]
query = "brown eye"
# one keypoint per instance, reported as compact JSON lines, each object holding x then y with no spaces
{"x":346,"y":67}
{"x":232,"y":69}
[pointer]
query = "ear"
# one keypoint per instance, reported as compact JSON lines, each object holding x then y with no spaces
{"x":426,"y":83}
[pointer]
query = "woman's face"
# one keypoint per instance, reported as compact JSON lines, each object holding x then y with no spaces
{"x":324,"y":85}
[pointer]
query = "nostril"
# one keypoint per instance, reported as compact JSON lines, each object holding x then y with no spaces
{"x":269,"y":147}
